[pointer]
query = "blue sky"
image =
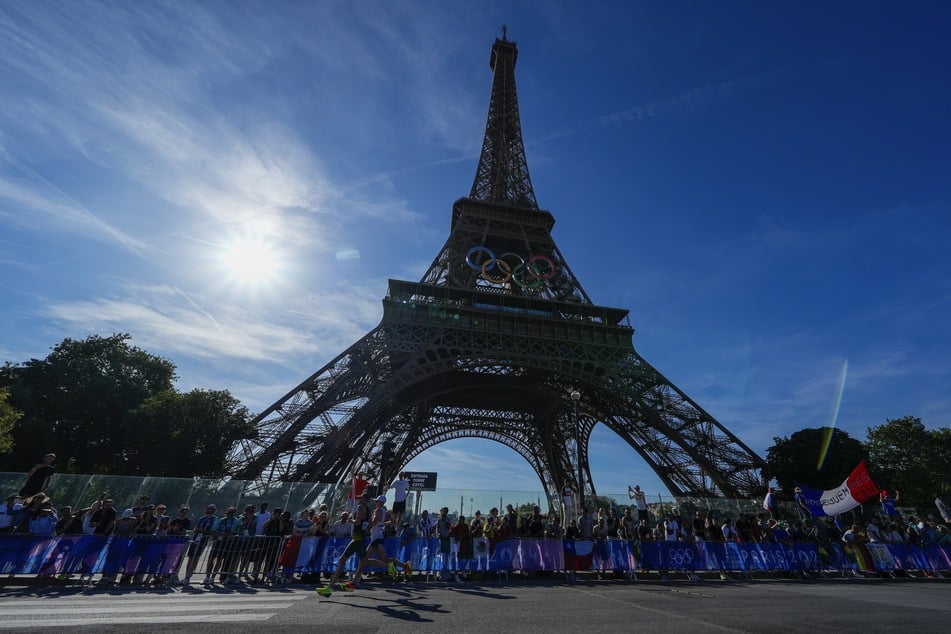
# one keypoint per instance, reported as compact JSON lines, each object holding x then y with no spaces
{"x":764,"y":185}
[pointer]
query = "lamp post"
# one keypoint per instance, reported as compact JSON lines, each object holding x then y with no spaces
{"x":575,"y":397}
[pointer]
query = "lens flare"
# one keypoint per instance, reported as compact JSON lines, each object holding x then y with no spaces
{"x":827,"y":437}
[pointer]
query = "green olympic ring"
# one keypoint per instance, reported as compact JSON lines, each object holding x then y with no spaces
{"x":539,"y":268}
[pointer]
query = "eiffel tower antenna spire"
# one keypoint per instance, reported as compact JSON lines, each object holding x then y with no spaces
{"x":502,"y":174}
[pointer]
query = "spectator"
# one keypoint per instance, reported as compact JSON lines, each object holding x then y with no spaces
{"x":425,"y":525}
{"x":536,"y":526}
{"x":889,"y":499}
{"x":303,"y":524}
{"x":729,"y":533}
{"x":644,"y":532}
{"x":460,"y":544}
{"x":104,"y":519}
{"x":140,"y":507}
{"x":204,"y":533}
{"x":43,"y":521}
{"x":65,"y":515}
{"x":126,"y":524}
{"x":181,"y":523}
{"x":357,"y":488}
{"x":162,"y":519}
{"x":261,"y":519}
{"x":148,"y":523}
{"x":699,"y":526}
{"x":585,"y":524}
{"x":11,"y":512}
{"x":628,"y":525}
{"x":400,"y":492}
{"x":571,"y":530}
{"x":640,"y":500}
{"x":769,"y":503}
{"x":321,"y":524}
{"x":671,"y":528}
{"x":38,"y":479}
{"x":342,"y":527}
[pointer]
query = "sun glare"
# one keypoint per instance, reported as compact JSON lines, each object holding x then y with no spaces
{"x":251,"y":260}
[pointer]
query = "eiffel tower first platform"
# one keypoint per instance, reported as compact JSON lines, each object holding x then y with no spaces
{"x":498,"y":340}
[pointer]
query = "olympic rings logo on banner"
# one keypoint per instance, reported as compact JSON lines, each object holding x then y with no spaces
{"x":530,"y":274}
{"x":680,"y":556}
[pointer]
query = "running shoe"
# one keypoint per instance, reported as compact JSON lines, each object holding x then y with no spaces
{"x":324,"y":591}
{"x":391,"y":568}
{"x":347,"y":586}
{"x":407,"y":570}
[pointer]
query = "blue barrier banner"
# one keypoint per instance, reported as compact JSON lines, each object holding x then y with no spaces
{"x":939,"y":557}
{"x":89,"y":554}
{"x":131,"y":555}
{"x":614,"y":555}
{"x":671,"y":556}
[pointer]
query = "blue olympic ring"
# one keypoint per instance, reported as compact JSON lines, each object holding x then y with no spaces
{"x":538,"y":268}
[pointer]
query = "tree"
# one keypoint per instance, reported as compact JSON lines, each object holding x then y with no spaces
{"x":8,"y":417}
{"x":799,"y":459}
{"x":105,"y":406}
{"x":187,"y":434}
{"x":909,"y":458}
{"x":75,"y":401}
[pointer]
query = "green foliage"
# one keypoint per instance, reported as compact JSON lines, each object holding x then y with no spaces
{"x":183,"y":434}
{"x":906,"y":457}
{"x":8,"y":416}
{"x":105,"y":406}
{"x":797,"y":459}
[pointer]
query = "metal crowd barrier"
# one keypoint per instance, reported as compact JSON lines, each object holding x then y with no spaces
{"x":226,"y":560}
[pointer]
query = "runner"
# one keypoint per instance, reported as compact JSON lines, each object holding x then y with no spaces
{"x":357,"y":546}
{"x":376,"y":553}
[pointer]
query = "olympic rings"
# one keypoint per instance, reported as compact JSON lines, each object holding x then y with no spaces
{"x":531,"y":274}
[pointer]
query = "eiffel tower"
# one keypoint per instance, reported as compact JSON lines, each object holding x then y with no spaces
{"x":499,"y":341}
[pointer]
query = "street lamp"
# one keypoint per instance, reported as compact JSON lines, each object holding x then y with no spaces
{"x":575,"y":397}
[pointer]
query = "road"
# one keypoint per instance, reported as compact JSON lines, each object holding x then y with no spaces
{"x":522,"y":606}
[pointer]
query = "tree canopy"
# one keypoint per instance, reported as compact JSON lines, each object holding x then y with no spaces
{"x":105,"y":406}
{"x":8,"y":416}
{"x":799,"y":458}
{"x":910,"y":459}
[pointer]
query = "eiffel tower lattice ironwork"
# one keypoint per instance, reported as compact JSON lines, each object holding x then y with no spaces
{"x":491,"y":343}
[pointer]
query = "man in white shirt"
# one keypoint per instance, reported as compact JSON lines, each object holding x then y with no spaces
{"x":400,"y":491}
{"x":640,"y":499}
{"x":261,"y":519}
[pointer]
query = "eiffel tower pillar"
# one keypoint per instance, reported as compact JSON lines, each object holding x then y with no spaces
{"x":491,"y":343}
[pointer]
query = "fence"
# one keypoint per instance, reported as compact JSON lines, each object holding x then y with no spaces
{"x":239,"y":559}
{"x":80,"y":491}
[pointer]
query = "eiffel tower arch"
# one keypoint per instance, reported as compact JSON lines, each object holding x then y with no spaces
{"x":492,"y":343}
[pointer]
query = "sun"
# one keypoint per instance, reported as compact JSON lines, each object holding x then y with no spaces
{"x":253,"y":260}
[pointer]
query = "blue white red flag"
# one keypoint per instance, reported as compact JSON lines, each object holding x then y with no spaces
{"x":579,"y":554}
{"x":856,"y":489}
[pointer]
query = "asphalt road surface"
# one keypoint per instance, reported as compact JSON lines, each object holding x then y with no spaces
{"x":519,"y":607}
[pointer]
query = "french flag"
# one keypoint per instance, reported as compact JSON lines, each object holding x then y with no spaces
{"x":857,"y":489}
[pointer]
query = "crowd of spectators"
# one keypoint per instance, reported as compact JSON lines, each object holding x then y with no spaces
{"x":32,"y":512}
